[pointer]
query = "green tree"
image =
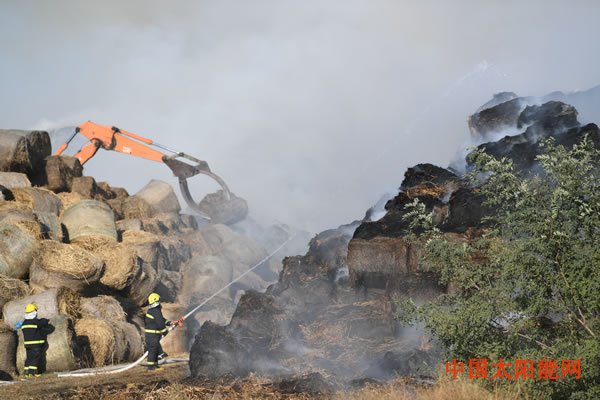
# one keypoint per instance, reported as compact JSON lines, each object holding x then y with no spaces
{"x":529,"y":287}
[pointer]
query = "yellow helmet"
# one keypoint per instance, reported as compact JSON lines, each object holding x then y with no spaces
{"x":30,"y":308}
{"x":153,"y":298}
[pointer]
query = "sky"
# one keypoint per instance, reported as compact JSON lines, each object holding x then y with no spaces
{"x":310,"y":110}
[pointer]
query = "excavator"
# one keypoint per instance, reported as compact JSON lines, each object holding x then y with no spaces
{"x":112,"y":138}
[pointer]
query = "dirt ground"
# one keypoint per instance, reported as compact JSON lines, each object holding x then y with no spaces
{"x":172,"y":383}
{"x":51,"y":387}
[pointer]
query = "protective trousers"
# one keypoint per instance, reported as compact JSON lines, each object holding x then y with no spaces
{"x":154,"y":348}
{"x":34,"y":356}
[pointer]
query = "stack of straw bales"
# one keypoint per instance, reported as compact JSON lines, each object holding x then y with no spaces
{"x":89,"y":255}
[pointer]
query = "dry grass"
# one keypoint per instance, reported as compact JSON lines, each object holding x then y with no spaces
{"x":171,"y":384}
{"x":67,"y":259}
{"x":102,"y":307}
{"x":256,"y":388}
{"x":97,"y":336}
{"x":4,"y":327}
{"x":135,"y":207}
{"x":21,"y":215}
{"x":69,"y":198}
{"x":139,"y":237}
{"x":432,"y":190}
{"x":11,"y":288}
{"x":36,"y":197}
{"x":69,"y":303}
{"x":14,"y":206}
{"x":120,"y":261}
{"x":443,"y":390}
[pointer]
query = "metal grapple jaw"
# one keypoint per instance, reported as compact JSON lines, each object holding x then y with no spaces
{"x":183,"y":170}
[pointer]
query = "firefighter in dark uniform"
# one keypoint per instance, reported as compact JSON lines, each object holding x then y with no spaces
{"x":35,"y":331}
{"x":156,"y":327}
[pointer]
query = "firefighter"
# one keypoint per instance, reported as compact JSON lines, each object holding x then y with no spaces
{"x":35,"y":331}
{"x":156,"y":327}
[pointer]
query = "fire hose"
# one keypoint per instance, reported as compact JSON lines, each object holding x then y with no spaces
{"x":173,"y":326}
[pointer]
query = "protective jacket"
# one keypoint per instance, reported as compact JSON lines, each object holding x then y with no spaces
{"x":35,"y":331}
{"x":155,"y":322}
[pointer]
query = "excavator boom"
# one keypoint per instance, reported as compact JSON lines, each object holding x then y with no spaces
{"x":183,"y":165}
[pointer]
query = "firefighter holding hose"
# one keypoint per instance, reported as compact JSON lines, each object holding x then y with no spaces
{"x":156,"y":326}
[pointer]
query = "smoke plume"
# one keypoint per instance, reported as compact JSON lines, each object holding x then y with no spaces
{"x":310,"y":110}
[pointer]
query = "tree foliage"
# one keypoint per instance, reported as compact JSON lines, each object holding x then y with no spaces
{"x":529,"y":287}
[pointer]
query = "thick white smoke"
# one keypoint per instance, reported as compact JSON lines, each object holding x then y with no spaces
{"x":310,"y":110}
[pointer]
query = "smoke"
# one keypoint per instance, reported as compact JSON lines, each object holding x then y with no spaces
{"x":309,"y":110}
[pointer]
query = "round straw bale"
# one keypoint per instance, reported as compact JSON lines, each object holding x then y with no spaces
{"x":50,"y":225}
{"x":8,"y":352}
{"x":40,"y":200}
{"x":50,"y":303}
{"x":211,"y":273}
{"x":17,"y":248}
{"x":96,"y":340}
{"x":154,"y":198}
{"x":143,"y":284}
{"x":69,"y":198}
{"x":89,"y":218}
{"x":121,"y":343}
{"x":133,"y":338}
{"x":223,"y":211}
{"x":188,"y":221}
{"x":24,"y":151}
{"x":102,"y":307}
{"x":12,"y":180}
{"x":121,"y":263}
{"x":128,"y":225}
{"x":169,"y":285}
{"x":11,"y":289}
{"x":63,"y":265}
{"x":147,"y":246}
{"x":62,"y":347}
{"x":22,"y":217}
{"x":163,"y":224}
{"x":178,"y":251}
{"x":177,"y":341}
{"x":216,"y":235}
{"x":11,"y":206}
{"x":197,"y":243}
{"x":243,"y":250}
{"x":128,"y":342}
{"x":60,"y":171}
{"x":85,"y":186}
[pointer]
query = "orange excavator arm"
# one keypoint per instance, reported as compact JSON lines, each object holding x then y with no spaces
{"x":112,"y":138}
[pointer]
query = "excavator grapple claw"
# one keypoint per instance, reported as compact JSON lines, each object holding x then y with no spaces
{"x":112,"y":138}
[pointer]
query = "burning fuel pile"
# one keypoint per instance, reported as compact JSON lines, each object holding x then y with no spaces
{"x":337,"y":328}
